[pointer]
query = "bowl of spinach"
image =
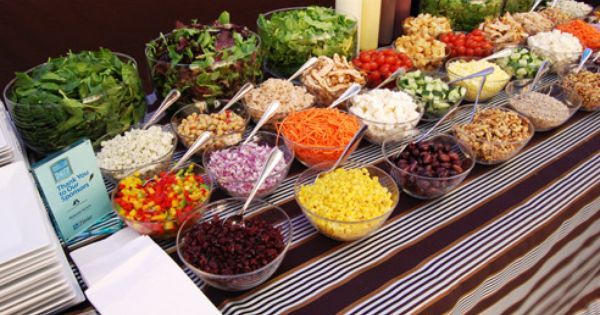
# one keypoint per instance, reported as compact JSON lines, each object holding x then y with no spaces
{"x":93,"y":94}
{"x":204,"y":61}
{"x":291,"y":36}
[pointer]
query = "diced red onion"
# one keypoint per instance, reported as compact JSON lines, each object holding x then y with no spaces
{"x":237,"y":168}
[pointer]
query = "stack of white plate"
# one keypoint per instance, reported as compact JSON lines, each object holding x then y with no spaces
{"x":6,"y":144}
{"x":35,"y":277}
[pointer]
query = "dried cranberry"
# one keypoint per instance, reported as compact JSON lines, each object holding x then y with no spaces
{"x":219,"y":247}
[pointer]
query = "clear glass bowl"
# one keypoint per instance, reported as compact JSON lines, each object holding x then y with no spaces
{"x":284,"y":56}
{"x":431,"y":115}
{"x":427,"y":187}
{"x":223,"y":209}
{"x":162,"y":229}
{"x":490,"y":89}
{"x":430,"y":65}
{"x":520,"y":87}
{"x":242,"y":188}
{"x":320,"y":156}
{"x":489,"y":152}
{"x":464,"y":15}
{"x":191,"y":80}
{"x":590,"y":96}
{"x":558,"y":59}
{"x":148,"y":169}
{"x":218,"y":141}
{"x":379,"y":132}
{"x":271,"y":124}
{"x":44,"y":133}
{"x":347,"y":230}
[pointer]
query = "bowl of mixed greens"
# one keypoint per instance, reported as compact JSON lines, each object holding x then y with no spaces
{"x":92,"y":94}
{"x":293,"y":35}
{"x":204,"y":61}
{"x":465,"y":15}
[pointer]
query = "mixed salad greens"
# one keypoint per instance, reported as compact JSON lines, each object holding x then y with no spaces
{"x":522,"y":63}
{"x":92,"y":94}
{"x":204,"y":61}
{"x":465,"y":15}
{"x":514,"y":6}
{"x":438,"y":96}
{"x":290,"y":37}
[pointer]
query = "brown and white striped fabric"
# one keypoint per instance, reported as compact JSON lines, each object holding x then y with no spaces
{"x":517,"y":238}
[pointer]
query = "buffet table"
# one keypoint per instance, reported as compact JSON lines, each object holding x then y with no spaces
{"x":521,"y":237}
{"x":517,"y":237}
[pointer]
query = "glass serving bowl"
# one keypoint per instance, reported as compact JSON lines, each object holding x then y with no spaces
{"x":271,"y":124}
{"x":429,"y":65}
{"x":223,"y":209}
{"x":148,"y":169}
{"x":346,"y":230}
{"x":319,"y":155}
{"x":241,"y":188}
{"x":219,"y":139}
{"x":46,"y":128}
{"x":379,"y":131}
{"x":571,"y":100}
{"x":220,"y":80}
{"x":490,"y":89}
{"x":427,"y":98}
{"x":162,"y":228}
{"x":558,"y":59}
{"x":589,"y":93}
{"x":489,"y":152}
{"x":514,"y":67}
{"x":422,"y":186}
{"x":284,"y":55}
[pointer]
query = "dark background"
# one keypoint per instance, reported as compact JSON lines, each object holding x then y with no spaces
{"x":33,"y":30}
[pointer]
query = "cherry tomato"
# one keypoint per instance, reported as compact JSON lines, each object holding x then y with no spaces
{"x":388,"y":52}
{"x":375,"y":76}
{"x":469,"y":52}
{"x":357,"y":62}
{"x":477,"y":51}
{"x":365,"y":58}
{"x":380,"y":59}
{"x":384,"y":68}
{"x":460,"y":51}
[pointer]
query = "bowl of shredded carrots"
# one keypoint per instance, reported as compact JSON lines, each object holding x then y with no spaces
{"x":319,"y":135}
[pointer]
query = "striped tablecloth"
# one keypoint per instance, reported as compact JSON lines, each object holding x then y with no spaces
{"x":520,"y":237}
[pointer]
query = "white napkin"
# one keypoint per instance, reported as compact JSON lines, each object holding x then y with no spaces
{"x":129,"y":275}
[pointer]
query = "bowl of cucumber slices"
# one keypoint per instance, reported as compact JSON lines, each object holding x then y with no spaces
{"x":433,"y":90}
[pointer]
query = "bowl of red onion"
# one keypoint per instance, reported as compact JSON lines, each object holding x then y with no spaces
{"x":237,"y":168}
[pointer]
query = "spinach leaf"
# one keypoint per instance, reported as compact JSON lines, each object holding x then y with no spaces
{"x":87,"y":94}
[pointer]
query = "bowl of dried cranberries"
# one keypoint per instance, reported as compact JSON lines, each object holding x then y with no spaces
{"x":232,"y":257}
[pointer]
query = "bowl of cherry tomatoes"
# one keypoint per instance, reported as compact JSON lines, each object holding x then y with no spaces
{"x":473,"y":44}
{"x":378,"y":65}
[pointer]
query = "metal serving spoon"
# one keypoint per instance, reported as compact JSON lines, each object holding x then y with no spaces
{"x":274,"y":158}
{"x":501,"y":54}
{"x":587,"y":53}
{"x":169,"y":100}
{"x":352,"y":90}
{"x":311,"y":61}
{"x":356,"y":138}
{"x":392,"y":77}
{"x":200,"y":141}
{"x":240,"y":93}
{"x":263,"y":120}
{"x":483,"y":73}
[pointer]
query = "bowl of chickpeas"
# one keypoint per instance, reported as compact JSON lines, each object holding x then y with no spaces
{"x":227,"y":127}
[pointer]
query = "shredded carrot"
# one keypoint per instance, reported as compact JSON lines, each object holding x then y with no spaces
{"x":588,"y":35}
{"x":319,"y":134}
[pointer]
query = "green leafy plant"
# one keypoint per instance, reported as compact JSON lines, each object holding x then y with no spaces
{"x":204,"y":61}
{"x":93,"y":94}
{"x":291,"y":37}
{"x":465,"y":15}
